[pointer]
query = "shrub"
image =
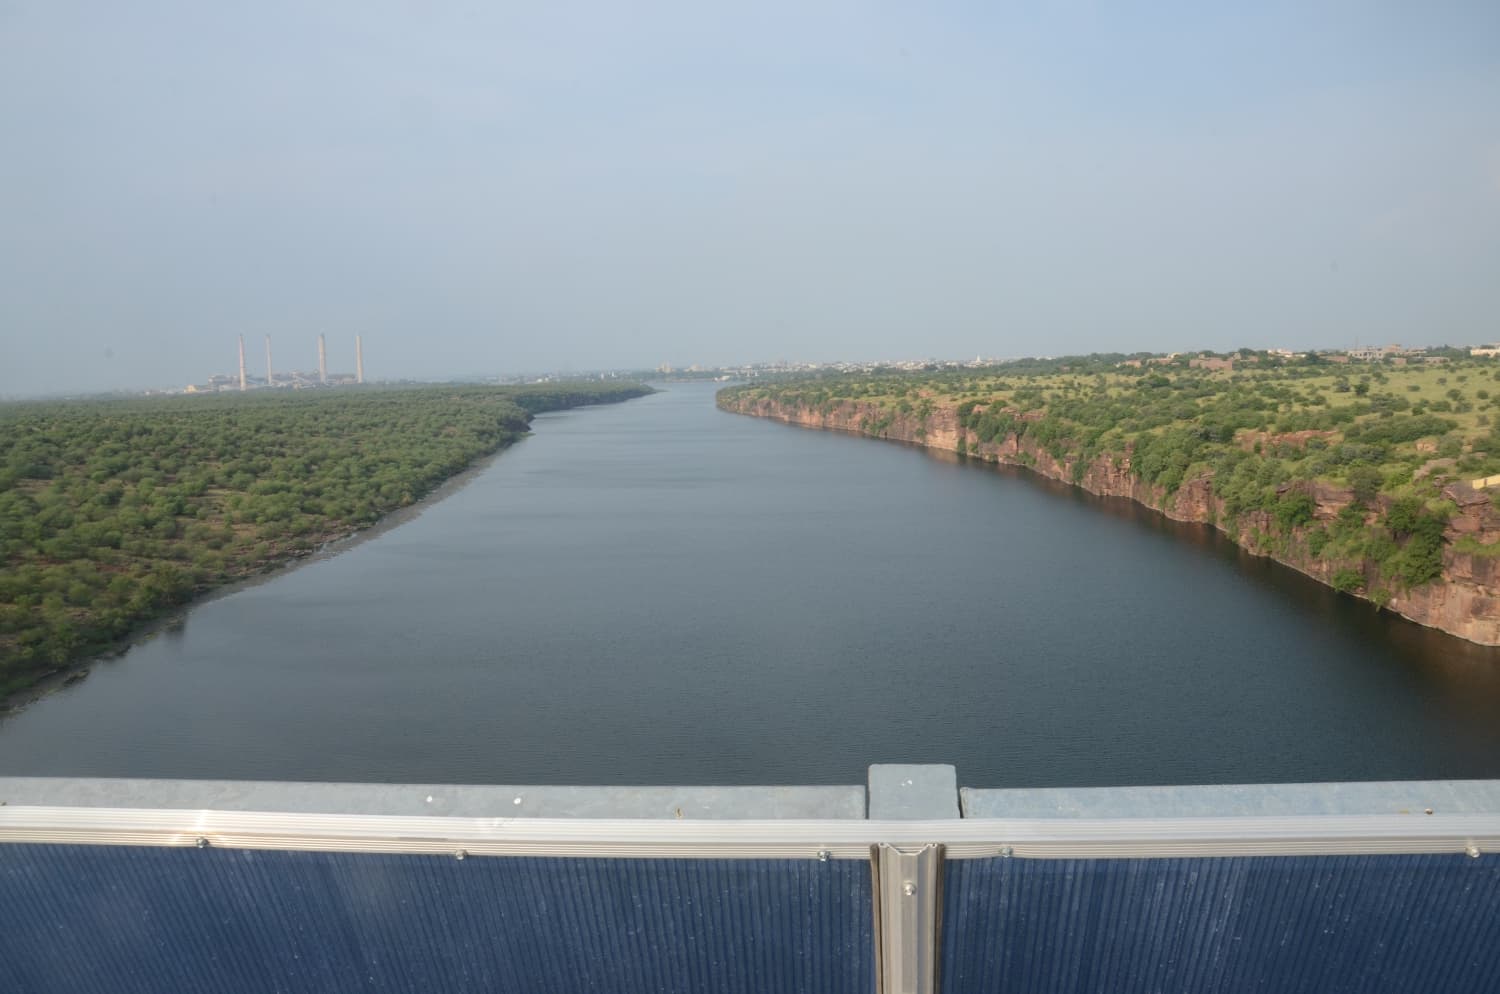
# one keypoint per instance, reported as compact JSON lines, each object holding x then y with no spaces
{"x":1348,"y":580}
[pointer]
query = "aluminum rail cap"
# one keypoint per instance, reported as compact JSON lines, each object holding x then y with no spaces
{"x":692,"y":803}
{"x":1413,"y":797}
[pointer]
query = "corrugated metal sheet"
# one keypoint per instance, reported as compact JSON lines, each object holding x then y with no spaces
{"x":82,"y":919}
{"x":1273,"y":925}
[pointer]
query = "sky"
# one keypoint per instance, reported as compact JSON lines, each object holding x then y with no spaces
{"x":493,"y":188}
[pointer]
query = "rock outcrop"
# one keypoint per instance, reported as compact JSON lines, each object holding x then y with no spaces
{"x":1465,"y":601}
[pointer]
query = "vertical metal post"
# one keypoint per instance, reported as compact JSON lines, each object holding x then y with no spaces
{"x":909,"y":884}
{"x":909,"y":879}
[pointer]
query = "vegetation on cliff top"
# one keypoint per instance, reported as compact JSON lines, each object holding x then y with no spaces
{"x":114,"y":512}
{"x":1264,"y":438}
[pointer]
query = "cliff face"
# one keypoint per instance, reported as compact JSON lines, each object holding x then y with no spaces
{"x":1464,"y":602}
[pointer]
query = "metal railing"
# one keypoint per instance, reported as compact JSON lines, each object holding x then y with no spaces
{"x":906,"y":884}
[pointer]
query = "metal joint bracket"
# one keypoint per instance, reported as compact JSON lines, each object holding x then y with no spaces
{"x":908,"y":890}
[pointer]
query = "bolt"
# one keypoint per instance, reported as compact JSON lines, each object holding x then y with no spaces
{"x":824,"y":855}
{"x":908,"y":888}
{"x":1473,"y":852}
{"x":460,"y":854}
{"x":202,"y":842}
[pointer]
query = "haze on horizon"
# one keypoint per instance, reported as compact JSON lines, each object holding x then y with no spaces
{"x":495,"y":188}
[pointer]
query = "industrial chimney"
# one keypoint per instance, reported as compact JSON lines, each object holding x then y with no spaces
{"x":242,"y":364}
{"x":269,"y":381}
{"x":359,"y":359}
{"x":322,"y":361}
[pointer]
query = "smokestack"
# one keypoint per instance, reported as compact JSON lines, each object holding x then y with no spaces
{"x":322,"y":361}
{"x":242,"y":364}
{"x":269,"y":381}
{"x":359,"y":359}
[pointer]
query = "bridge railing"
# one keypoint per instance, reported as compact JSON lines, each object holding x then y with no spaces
{"x":906,"y":884}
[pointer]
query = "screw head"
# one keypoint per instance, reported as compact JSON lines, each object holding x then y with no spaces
{"x":824,"y":855}
{"x":201,"y":842}
{"x":1007,"y":852}
{"x":1473,"y":852}
{"x":460,"y":855}
{"x":908,"y":888}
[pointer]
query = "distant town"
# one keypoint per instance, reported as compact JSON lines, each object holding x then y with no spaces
{"x":244,"y":379}
{"x":1396,"y":355}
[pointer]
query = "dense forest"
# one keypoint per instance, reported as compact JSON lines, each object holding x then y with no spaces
{"x":113,"y":512}
{"x":1268,"y":440}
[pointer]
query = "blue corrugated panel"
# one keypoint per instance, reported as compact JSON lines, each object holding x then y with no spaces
{"x":1272,"y":925}
{"x":82,"y":919}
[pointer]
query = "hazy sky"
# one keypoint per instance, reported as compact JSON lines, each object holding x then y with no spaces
{"x":491,"y":188}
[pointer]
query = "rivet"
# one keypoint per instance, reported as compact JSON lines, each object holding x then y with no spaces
{"x":516,"y":801}
{"x":202,"y":843}
{"x":824,"y":855}
{"x":460,"y":854}
{"x":1473,"y":852}
{"x":908,"y":888}
{"x":429,"y":798}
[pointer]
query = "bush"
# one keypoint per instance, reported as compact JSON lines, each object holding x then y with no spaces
{"x":1294,"y":509}
{"x":1348,"y":580}
{"x":1365,"y":481}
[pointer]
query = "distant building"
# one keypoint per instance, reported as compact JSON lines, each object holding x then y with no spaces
{"x":1375,"y":353}
{"x":1211,"y":363}
{"x":1488,"y":351}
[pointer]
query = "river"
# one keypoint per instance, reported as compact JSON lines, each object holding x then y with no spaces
{"x":659,"y":592}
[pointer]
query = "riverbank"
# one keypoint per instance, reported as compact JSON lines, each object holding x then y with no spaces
{"x":132,"y":513}
{"x":64,"y":676}
{"x":1461,"y":602}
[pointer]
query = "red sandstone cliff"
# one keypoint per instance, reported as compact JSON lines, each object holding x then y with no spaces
{"x":1464,"y":602}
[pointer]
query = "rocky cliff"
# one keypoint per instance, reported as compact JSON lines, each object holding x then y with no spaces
{"x":1464,"y":602}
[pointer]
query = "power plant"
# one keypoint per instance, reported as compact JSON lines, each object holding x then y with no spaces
{"x":294,"y":379}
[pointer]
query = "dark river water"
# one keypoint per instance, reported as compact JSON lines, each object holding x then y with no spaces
{"x":659,"y":592}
